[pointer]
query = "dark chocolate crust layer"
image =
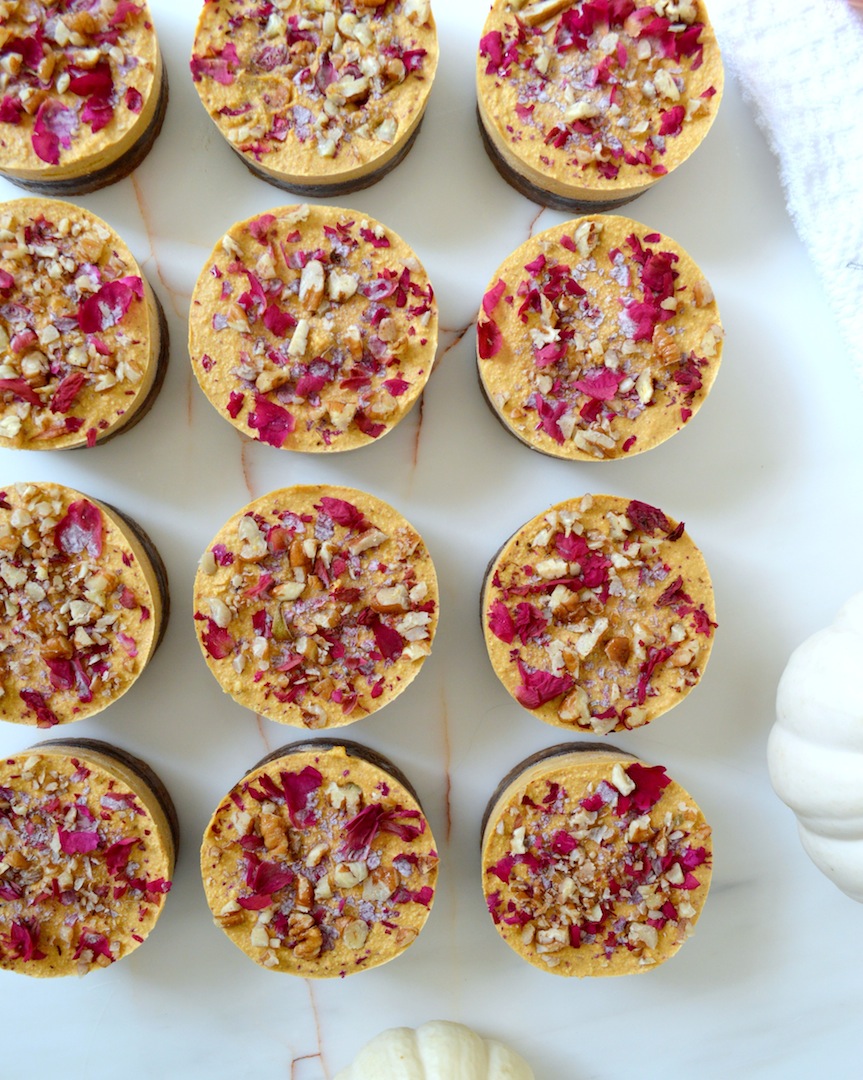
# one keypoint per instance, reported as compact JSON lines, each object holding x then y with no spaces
{"x":117,"y":170}
{"x":551,"y":752}
{"x":345,"y":187}
{"x":352,"y":749}
{"x":137,"y":766}
{"x":538,"y":194}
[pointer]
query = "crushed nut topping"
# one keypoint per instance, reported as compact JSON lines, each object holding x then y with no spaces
{"x":79,"y":339}
{"x":600,"y":96}
{"x":72,"y":80}
{"x":313,"y":328}
{"x":318,"y":606}
{"x":598,"y":339}
{"x":599,"y":614}
{"x":602,"y":879}
{"x":351,"y":882}
{"x":310,"y":87}
{"x":82,"y":612}
{"x":84,"y":865}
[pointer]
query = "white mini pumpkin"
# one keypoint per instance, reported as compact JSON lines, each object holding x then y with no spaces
{"x":438,"y":1050}
{"x":815,"y":749}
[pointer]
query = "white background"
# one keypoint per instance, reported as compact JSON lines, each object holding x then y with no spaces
{"x":768,"y":480}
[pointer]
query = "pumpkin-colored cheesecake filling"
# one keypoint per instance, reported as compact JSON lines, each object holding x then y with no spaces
{"x":316,"y":92}
{"x":320,"y":862}
{"x":593,"y":101}
{"x":597,"y":339}
{"x":86,"y":858}
{"x":313,"y":328}
{"x":594,"y":863}
{"x":316,"y":605}
{"x":598,"y":614}
{"x":84,"y":604}
{"x":82,"y":344}
{"x":80,"y":86}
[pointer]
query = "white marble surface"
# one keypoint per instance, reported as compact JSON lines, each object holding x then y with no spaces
{"x":768,"y":479}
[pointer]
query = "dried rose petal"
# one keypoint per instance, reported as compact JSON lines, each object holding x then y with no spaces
{"x":21,"y":389}
{"x":489,"y":339}
{"x":529,"y":622}
{"x":388,"y":640}
{"x":342,"y":512}
{"x":492,"y":297}
{"x":117,"y":855}
{"x":362,"y":828}
{"x":45,"y":718}
{"x":500,"y":622}
{"x":217,"y":641}
{"x":23,"y":940}
{"x":64,"y":396}
{"x":538,"y":687}
{"x":649,"y":780}
{"x":78,"y":843}
{"x":53,"y":128}
{"x":602,"y":385}
{"x":108,"y":306}
{"x":96,"y":81}
{"x":80,"y":530}
{"x":297,"y":788}
{"x":273,"y":423}
{"x":222,"y":67}
{"x":96,"y":943}
{"x":11,"y":110}
{"x":647,"y":518}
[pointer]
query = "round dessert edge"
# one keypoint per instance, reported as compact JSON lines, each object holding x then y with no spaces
{"x":540,"y":195}
{"x":351,"y":748}
{"x":551,"y":752}
{"x":118,"y":170}
{"x":135,"y":764}
{"x":158,"y":379}
{"x":337,"y":189}
{"x":160,"y":571}
{"x":575,"y":660}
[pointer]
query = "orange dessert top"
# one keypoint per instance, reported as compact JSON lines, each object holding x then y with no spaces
{"x":593,"y":862}
{"x":88,"y":842}
{"x":590,"y":102}
{"x":597,"y":339}
{"x":320,"y":861}
{"x":313,"y":328}
{"x":599,"y":614}
{"x":80,"y":87}
{"x":317,"y":96}
{"x":316,"y":605}
{"x":85,"y":604}
{"x":82,"y":345}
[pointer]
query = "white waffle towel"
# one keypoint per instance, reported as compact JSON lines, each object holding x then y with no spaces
{"x":800,"y":65}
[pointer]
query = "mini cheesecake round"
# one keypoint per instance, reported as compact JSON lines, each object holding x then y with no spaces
{"x":584,"y":105}
{"x":313,"y":328}
{"x":316,"y":605}
{"x":320,"y":99}
{"x":83,"y":93}
{"x":88,"y":843}
{"x":597,"y":339}
{"x":85,"y":600}
{"x":83,"y":339}
{"x":599,"y":614}
{"x":594,"y":862}
{"x":320,"y":861}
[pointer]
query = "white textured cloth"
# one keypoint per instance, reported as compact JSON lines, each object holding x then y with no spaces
{"x":800,"y":65}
